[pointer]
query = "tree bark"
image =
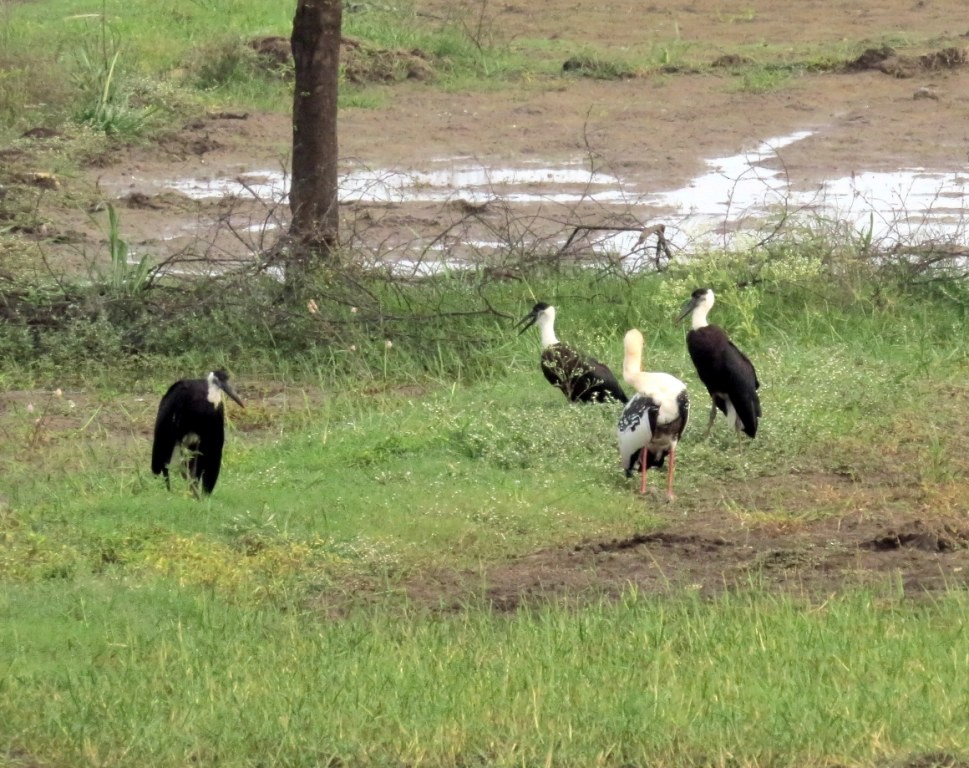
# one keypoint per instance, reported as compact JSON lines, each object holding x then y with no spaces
{"x":314,"y":230}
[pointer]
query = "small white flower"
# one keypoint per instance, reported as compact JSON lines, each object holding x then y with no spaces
{"x":353,"y":310}
{"x":30,"y":407}
{"x":312,"y":306}
{"x":388,"y":344}
{"x":353,"y":347}
{"x":59,"y":392}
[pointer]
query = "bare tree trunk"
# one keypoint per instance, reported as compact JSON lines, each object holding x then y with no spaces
{"x":314,"y":230}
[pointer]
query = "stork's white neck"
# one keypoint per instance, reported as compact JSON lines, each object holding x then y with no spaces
{"x":546,"y":328}
{"x":699,"y":316}
{"x":214,"y":395}
{"x":632,"y":360}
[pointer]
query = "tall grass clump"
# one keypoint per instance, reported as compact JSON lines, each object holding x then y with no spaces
{"x":105,"y":90}
{"x":105,"y":100}
{"x":126,"y":277}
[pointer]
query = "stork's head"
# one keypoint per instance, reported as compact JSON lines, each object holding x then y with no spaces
{"x":632,"y":360}
{"x":542,"y":313}
{"x":219,"y":383}
{"x":699,"y":304}
{"x":633,"y":342}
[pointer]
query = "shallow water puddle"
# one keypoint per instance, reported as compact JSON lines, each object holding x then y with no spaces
{"x":734,"y":186}
{"x":733,"y":199}
{"x":740,"y":192}
{"x":452,"y":179}
{"x":909,"y":205}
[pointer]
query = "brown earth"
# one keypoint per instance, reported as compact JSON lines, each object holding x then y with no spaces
{"x":882,"y":113}
{"x":881,"y":110}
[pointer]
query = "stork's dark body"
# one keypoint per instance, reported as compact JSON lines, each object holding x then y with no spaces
{"x":580,"y":377}
{"x":643,"y":413}
{"x":727,"y":373}
{"x":188,"y":419}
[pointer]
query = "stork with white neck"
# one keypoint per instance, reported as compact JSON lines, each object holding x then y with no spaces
{"x":580,"y":377}
{"x":725,"y":371}
{"x":653,"y":420}
{"x":191,"y":416}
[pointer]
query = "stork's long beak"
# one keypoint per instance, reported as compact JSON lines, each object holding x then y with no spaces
{"x":528,"y":320}
{"x":227,"y":388}
{"x":687,"y":309}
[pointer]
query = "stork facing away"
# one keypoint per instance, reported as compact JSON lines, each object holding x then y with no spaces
{"x":579,"y":376}
{"x":725,"y":371}
{"x":653,"y":420}
{"x":191,"y":416}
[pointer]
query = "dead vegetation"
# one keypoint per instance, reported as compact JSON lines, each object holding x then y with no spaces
{"x":886,"y":59}
{"x":361,"y":61}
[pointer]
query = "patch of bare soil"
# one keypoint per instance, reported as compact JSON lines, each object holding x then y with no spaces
{"x":710,"y":552}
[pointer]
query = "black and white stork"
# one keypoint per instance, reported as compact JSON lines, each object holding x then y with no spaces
{"x":579,"y":376}
{"x":192,"y":416}
{"x":653,"y":420}
{"x":725,"y":371}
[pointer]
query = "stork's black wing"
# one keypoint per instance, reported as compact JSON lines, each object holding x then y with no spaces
{"x":743,"y":386}
{"x":601,"y":384}
{"x":637,"y":424}
{"x":167,"y":430}
{"x":556,"y":362}
{"x":579,"y":376}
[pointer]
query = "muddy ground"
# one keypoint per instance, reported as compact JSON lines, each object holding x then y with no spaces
{"x":656,"y":130}
{"x":892,"y":108}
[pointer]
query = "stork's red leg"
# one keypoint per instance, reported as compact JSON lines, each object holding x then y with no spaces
{"x":642,"y":464}
{"x":669,"y":477}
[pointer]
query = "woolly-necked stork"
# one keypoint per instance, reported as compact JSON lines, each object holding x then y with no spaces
{"x":725,"y":371}
{"x":579,"y":376}
{"x":192,"y":416}
{"x":653,"y":421}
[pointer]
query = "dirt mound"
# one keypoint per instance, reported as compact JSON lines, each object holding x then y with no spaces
{"x":713,"y":552}
{"x":885,"y":59}
{"x":275,"y":52}
{"x":362,"y":62}
{"x":935,"y":760}
{"x":921,"y":535}
{"x":662,"y":538}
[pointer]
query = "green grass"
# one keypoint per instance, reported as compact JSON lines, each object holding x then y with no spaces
{"x":162,"y":676}
{"x":270,"y":623}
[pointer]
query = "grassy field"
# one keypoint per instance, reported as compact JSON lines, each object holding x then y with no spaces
{"x":105,"y":673}
{"x":403,"y":436}
{"x":267,"y":624}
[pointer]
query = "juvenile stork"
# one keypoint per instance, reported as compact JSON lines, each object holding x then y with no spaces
{"x":653,"y":421}
{"x":579,"y":376}
{"x":725,"y":371}
{"x":191,"y":416}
